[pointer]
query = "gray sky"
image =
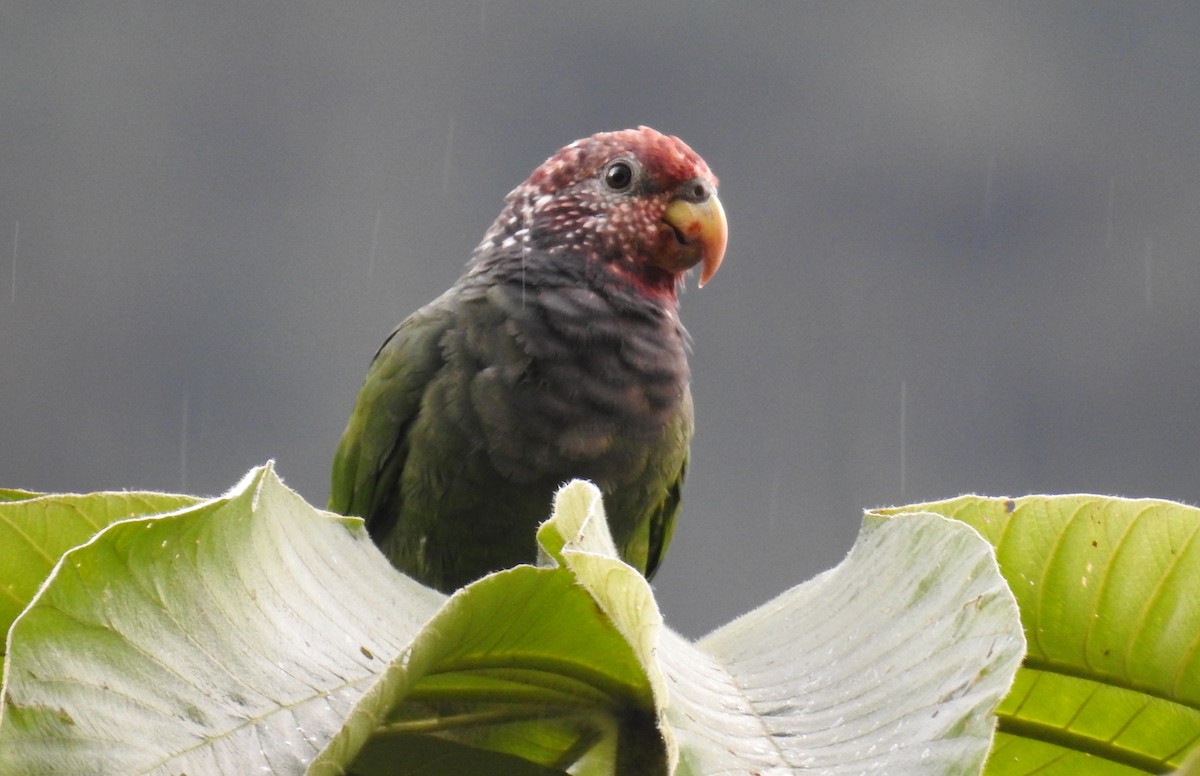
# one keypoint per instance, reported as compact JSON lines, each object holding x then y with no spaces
{"x":963,"y":254}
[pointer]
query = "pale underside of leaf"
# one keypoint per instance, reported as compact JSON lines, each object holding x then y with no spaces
{"x":232,"y":637}
{"x":892,"y":662}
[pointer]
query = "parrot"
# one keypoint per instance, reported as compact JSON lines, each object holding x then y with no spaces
{"x":557,"y":354}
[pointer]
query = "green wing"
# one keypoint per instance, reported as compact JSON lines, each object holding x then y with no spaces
{"x":406,"y":423}
{"x":662,"y":522}
{"x":373,"y":451}
{"x":645,"y":512}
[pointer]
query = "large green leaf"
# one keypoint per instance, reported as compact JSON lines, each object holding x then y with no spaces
{"x":527,"y":662}
{"x":252,"y":633}
{"x":521,"y":664}
{"x":35,"y":531}
{"x":893,"y":662}
{"x":1109,"y":591}
{"x":229,"y":637}
{"x":890,"y":663}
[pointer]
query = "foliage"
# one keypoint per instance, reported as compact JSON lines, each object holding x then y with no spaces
{"x":154,"y":633}
{"x":1107,"y":589}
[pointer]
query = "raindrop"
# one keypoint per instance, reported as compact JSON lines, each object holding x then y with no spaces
{"x":183,"y":433}
{"x":903,"y":436}
{"x":1108,"y":222}
{"x":773,"y":502}
{"x":987,"y":187}
{"x":527,"y":219}
{"x":12,"y":294}
{"x":447,"y":157}
{"x":374,"y":243}
{"x":1148,"y":258}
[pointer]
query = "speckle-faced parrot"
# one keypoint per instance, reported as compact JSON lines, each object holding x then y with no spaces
{"x":558,"y":354}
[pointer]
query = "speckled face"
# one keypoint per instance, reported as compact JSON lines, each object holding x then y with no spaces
{"x":605,"y":198}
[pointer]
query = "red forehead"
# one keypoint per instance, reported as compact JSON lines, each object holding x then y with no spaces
{"x":665,"y":157}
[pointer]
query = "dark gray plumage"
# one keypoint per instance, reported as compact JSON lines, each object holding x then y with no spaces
{"x":558,"y":354}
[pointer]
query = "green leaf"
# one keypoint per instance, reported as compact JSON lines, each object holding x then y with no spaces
{"x":526,"y":662}
{"x":892,"y":662}
{"x":14,"y":494}
{"x":35,"y":531}
{"x":228,"y":637}
{"x":588,"y":550}
{"x":250,"y":634}
{"x":423,"y":755}
{"x":519,"y":663}
{"x":1108,"y":594}
{"x":1191,"y":765}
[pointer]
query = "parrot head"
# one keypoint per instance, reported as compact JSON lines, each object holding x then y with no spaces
{"x":636,"y":202}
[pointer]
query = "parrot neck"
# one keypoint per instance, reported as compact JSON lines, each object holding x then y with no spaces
{"x":649,"y":280}
{"x":593,"y":366}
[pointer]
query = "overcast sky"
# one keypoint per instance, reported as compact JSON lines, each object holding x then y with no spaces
{"x":964,"y":241}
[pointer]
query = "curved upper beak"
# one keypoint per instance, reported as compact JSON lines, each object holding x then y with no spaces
{"x":701,"y":232}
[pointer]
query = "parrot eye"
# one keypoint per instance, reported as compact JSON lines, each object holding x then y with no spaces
{"x":619,"y":175}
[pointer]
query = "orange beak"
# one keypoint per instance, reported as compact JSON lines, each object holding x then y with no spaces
{"x":701,"y":233}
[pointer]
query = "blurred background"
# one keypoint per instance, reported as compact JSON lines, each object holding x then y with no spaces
{"x":964,"y":254}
